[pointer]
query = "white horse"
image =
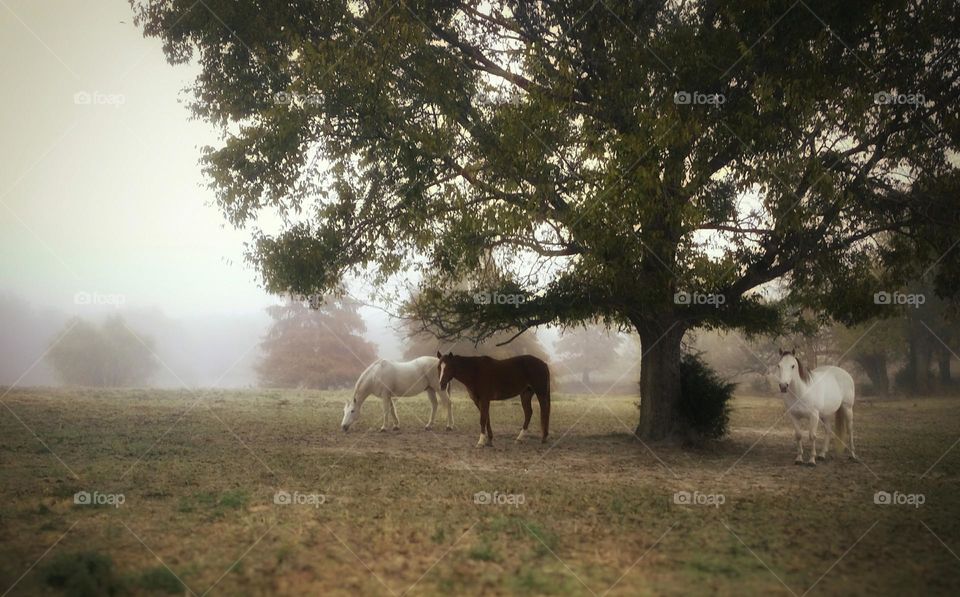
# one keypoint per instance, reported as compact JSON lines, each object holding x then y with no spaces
{"x":390,"y":379}
{"x":811,"y":397}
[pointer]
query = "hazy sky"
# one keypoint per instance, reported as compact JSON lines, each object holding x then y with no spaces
{"x":101,"y":193}
{"x":106,"y":197}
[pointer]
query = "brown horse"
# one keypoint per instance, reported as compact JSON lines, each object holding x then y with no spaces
{"x":489,"y":379}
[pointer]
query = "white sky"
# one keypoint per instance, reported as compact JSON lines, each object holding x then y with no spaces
{"x":109,"y":198}
{"x":106,"y":198}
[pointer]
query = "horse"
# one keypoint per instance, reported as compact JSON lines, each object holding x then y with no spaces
{"x":811,"y":397}
{"x":488,"y":379}
{"x":389,"y":379}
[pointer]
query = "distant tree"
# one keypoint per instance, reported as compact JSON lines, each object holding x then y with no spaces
{"x":111,"y":355}
{"x":591,"y":349}
{"x":932,"y":330}
{"x":874,"y":347}
{"x":314,"y":345}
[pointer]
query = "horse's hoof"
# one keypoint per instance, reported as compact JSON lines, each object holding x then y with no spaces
{"x":523,"y":433}
{"x":854,"y":458}
{"x":396,"y":429}
{"x":383,"y":429}
{"x":811,"y":463}
{"x":797,"y":462}
{"x":449,"y":427}
{"x":428,"y":427}
{"x":821,"y":458}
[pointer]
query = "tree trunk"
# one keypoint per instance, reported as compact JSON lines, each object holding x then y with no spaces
{"x":924,"y":360}
{"x":944,"y":367}
{"x":659,"y":380}
{"x":875,"y":366}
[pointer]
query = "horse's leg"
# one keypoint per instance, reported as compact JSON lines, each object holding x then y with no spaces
{"x":828,"y":431}
{"x":393,"y":413}
{"x":445,"y":398}
{"x":387,"y":406}
{"x":798,"y":437}
{"x":489,"y":428}
{"x":848,"y":414}
{"x":814,"y":423}
{"x":484,"y":406}
{"x":525,"y":401}
{"x":432,"y":396}
{"x":543,"y":398}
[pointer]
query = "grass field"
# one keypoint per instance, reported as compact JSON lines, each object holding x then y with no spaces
{"x":591,"y":512}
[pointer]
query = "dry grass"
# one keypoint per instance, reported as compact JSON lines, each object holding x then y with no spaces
{"x":199,"y":474}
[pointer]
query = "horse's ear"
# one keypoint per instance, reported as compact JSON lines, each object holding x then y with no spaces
{"x":439,"y":356}
{"x":795,"y":349}
{"x":782,"y":351}
{"x":450,"y":354}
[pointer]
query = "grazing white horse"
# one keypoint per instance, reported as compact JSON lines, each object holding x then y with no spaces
{"x":390,"y":379}
{"x":811,"y":397}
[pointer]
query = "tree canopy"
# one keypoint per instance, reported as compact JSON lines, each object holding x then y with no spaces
{"x":613,"y":157}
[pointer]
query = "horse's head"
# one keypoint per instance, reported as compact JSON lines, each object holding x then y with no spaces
{"x":788,"y":369}
{"x":447,"y":369}
{"x":351,"y":410}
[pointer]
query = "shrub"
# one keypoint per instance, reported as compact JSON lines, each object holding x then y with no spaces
{"x":162,"y":580}
{"x":704,"y":399}
{"x":83,"y":574}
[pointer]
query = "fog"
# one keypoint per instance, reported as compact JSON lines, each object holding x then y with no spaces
{"x":103,"y":208}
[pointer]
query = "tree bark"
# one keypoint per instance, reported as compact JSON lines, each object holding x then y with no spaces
{"x":875,"y":366}
{"x":944,"y":366}
{"x":659,"y":380}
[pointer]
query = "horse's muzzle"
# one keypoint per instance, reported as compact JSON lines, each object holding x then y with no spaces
{"x":783,"y":388}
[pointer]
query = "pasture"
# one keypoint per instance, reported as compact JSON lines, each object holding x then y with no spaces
{"x":592,"y":512}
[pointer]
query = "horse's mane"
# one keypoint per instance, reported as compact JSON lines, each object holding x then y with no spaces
{"x":804,"y":372}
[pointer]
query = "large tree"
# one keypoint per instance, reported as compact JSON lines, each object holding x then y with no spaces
{"x":611,"y":155}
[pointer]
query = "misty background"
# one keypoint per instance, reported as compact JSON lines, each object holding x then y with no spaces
{"x":104,"y":211}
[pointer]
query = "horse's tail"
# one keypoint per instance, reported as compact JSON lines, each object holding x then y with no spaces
{"x":841,"y":427}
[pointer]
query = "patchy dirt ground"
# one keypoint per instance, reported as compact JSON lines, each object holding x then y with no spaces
{"x":253,"y":493}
